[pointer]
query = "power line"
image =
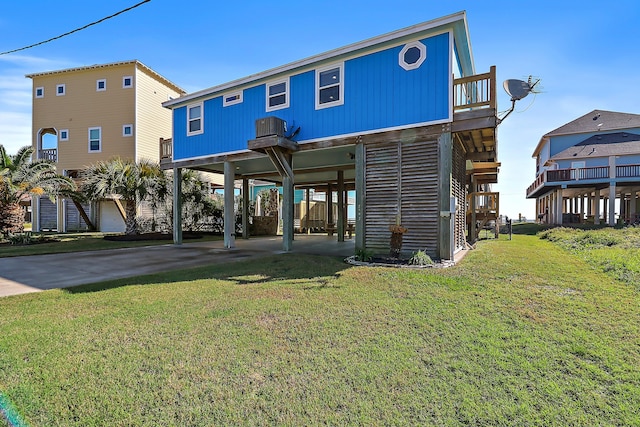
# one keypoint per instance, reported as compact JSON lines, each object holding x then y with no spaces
{"x":76,"y":30}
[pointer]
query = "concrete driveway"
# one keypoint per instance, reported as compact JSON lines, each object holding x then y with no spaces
{"x":19,"y":275}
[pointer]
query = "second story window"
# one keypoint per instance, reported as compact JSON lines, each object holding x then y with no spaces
{"x":60,"y":90}
{"x":95,"y":140}
{"x":127,"y":130}
{"x":101,"y":85}
{"x":64,"y":134}
{"x":127,"y":81}
{"x":232,"y":98}
{"x":278,"y":95}
{"x":194,"y":119}
{"x":40,"y":92}
{"x":330,"y":86}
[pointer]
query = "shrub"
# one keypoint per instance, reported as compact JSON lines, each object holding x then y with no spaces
{"x":420,"y":258}
{"x":364,"y":255}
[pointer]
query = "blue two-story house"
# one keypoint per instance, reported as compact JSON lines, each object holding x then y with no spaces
{"x":401,"y":118}
{"x":588,"y":170}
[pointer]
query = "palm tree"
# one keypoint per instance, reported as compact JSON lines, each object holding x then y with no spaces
{"x":20,"y":178}
{"x":121,"y":178}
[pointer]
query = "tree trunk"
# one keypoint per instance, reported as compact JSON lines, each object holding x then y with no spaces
{"x":131,"y":220}
{"x":11,"y":218}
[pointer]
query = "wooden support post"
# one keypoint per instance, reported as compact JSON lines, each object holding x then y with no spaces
{"x":229,"y":214}
{"x":329,"y":206}
{"x":307,"y":210}
{"x":287,"y":214}
{"x":612,"y":204}
{"x":245,"y":207}
{"x":177,"y":206}
{"x":341,"y":219}
{"x":445,"y":246}
{"x":596,"y":210}
{"x":360,"y":196}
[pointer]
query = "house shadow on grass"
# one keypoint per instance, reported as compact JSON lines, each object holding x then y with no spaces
{"x":244,"y":272}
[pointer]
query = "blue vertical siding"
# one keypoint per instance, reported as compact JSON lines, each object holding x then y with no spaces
{"x":378,"y":94}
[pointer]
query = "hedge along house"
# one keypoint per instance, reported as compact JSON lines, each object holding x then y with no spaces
{"x":401,"y":118}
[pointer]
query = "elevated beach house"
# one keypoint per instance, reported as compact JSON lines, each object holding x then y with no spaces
{"x":88,"y":114}
{"x":588,"y":170}
{"x":402,"y":119}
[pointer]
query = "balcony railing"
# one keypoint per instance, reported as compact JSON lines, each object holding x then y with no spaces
{"x":583,"y":174}
{"x":478,"y":91}
{"x":50,"y":154}
{"x":166,"y":149}
{"x":485,"y":202}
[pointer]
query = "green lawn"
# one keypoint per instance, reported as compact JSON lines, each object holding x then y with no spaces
{"x":521,"y":333}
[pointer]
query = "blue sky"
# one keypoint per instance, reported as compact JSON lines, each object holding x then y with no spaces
{"x":586,"y":53}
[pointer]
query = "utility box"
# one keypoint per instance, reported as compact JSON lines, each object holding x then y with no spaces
{"x":270,"y":126}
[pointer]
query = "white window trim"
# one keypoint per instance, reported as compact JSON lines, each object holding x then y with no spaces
{"x":418,"y":63}
{"x":60,"y":133}
{"x":99,"y":139}
{"x":287,"y":91}
{"x":226,"y":103}
{"x":41,"y":88}
{"x":201,"y":130}
{"x":98,"y":85}
{"x":64,"y":90}
{"x":124,"y":79}
{"x":319,"y":106}
{"x":123,"y":130}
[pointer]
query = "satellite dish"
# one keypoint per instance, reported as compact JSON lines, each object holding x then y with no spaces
{"x":517,"y":89}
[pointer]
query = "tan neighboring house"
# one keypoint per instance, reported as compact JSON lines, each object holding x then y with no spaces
{"x":95,"y":113}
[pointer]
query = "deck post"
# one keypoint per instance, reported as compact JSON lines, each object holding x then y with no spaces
{"x":445,"y":153}
{"x":632,"y":206}
{"x":177,"y":206}
{"x":245,"y":207}
{"x":329,"y":205}
{"x":612,"y":204}
{"x":360,"y":196}
{"x":596,"y":205}
{"x":341,"y":220}
{"x":307,"y":208}
{"x":229,"y":217}
{"x":287,"y":214}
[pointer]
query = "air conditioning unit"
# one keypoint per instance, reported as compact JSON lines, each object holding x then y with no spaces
{"x":270,"y":126}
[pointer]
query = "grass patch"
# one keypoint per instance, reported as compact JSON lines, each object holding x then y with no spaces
{"x":614,"y":251}
{"x":521,"y":332}
{"x":75,"y":242}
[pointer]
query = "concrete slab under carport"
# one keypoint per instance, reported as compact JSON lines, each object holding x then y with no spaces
{"x":26,"y":274}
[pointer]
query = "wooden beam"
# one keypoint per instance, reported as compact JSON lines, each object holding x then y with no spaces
{"x":123,"y":214}
{"x":84,"y":215}
{"x":261,"y":144}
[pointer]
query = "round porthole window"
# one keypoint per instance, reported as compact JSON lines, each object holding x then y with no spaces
{"x":412,"y":55}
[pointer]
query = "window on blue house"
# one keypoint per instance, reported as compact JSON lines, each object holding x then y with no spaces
{"x":232,"y":98}
{"x":278,"y":95}
{"x":95,"y":140}
{"x":194,"y":119}
{"x":412,"y":55}
{"x":329,"y":86}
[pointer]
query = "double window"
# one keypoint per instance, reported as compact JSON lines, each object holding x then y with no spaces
{"x":95,"y":140}
{"x":330,"y":86}
{"x":278,"y":95}
{"x":194,"y":119}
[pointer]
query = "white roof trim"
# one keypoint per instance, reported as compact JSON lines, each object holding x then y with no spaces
{"x":408,"y":31}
